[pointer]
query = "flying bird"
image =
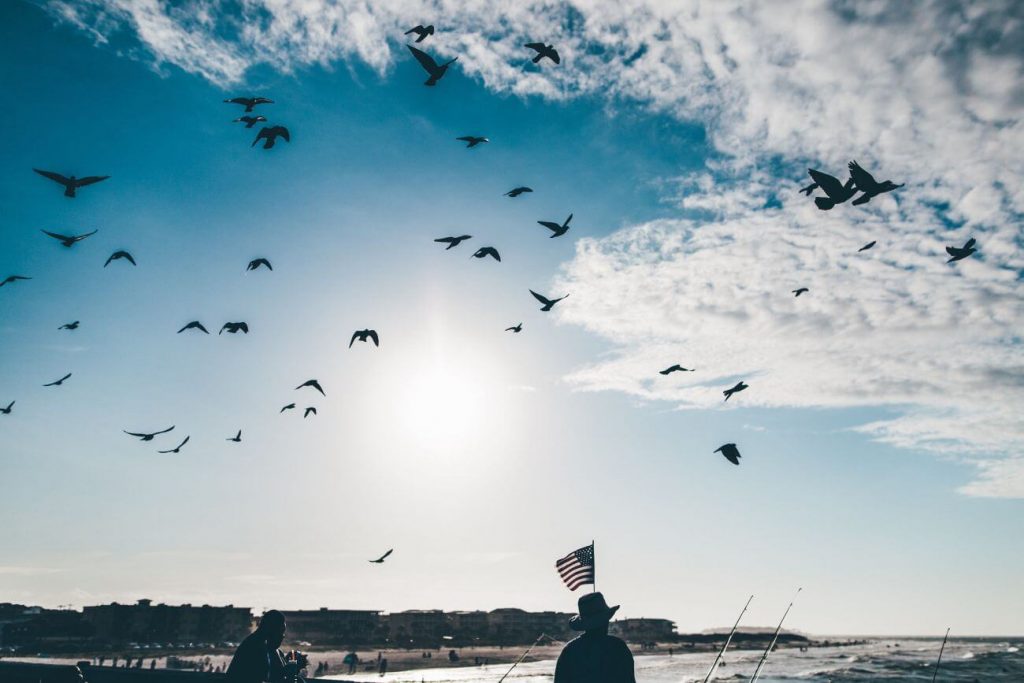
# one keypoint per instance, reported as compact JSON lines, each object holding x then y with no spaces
{"x":516,"y":191}
{"x":472,"y":140}
{"x":556,"y":229}
{"x":118,"y":255}
{"x":194,"y":325}
{"x":380,"y":560}
{"x":548,"y":303}
{"x":249,"y":102}
{"x":69,"y":326}
{"x":674,"y":368}
{"x":309,"y":410}
{"x":421,"y":32}
{"x":257,"y":262}
{"x":7,"y":410}
{"x":484,"y":252}
{"x":453,"y":241}
{"x":363,"y":335}
{"x":250,"y":121}
{"x":287,"y":407}
{"x":430,"y":66}
{"x":233,"y":328}
{"x":68,"y":240}
{"x":144,"y":436}
{"x":71,"y":184}
{"x":740,"y":386}
{"x":516,"y":328}
{"x":958,"y":253}
{"x":269,"y":135}
{"x":237,"y":438}
{"x":58,"y":382}
{"x":867,"y":246}
{"x":13,"y":278}
{"x":543,"y":51}
{"x":836,"y":192}
{"x":866,"y":183}
{"x":311,"y":383}
{"x":798,"y":292}
{"x":176,"y":449}
{"x":731,"y":453}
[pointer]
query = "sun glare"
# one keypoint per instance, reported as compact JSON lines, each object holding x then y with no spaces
{"x":442,"y":407}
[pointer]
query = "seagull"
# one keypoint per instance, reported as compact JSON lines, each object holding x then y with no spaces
{"x":194,"y":325}
{"x":421,"y":31}
{"x":453,"y":241}
{"x":798,"y":292}
{"x":675,"y":368}
{"x":556,"y":229}
{"x":867,"y":246}
{"x":13,"y":278}
{"x":309,"y":410}
{"x":740,"y":386}
{"x":68,"y":240}
{"x":484,"y":252}
{"x":311,"y":383}
{"x":548,"y":303}
{"x":257,"y":262}
{"x":516,"y":191}
{"x":543,"y":51}
{"x":249,"y":102}
{"x":71,"y":184}
{"x":118,"y":255}
{"x":868,"y":185}
{"x":958,"y":253}
{"x":7,"y":410}
{"x":517,"y":328}
{"x":380,"y":560}
{"x":176,"y":449}
{"x":269,"y":135}
{"x":836,"y":192}
{"x":430,"y":66}
{"x":250,"y":121}
{"x":148,"y":436}
{"x":472,"y":140}
{"x":363,"y":335}
{"x":287,"y":407}
{"x":232,"y":328}
{"x":69,"y":326}
{"x":730,"y":452}
{"x":58,"y":382}
{"x":237,"y":438}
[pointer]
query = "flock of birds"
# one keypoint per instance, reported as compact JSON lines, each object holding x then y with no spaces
{"x":835,"y":192}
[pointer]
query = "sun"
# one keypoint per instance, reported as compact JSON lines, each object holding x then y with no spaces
{"x":442,"y":407}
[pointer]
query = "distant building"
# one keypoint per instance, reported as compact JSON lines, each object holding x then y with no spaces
{"x":469,"y":628}
{"x":145,"y":622}
{"x":644,"y":630}
{"x":40,"y":628}
{"x":417,"y":627}
{"x":335,"y":626}
{"x":510,"y":625}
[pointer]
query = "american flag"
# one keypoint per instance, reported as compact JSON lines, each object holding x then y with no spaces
{"x":577,"y":568}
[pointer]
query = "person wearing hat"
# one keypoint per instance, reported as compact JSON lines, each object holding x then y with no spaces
{"x":595,"y":656}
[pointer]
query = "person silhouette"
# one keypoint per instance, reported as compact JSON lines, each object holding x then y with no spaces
{"x":594,"y":656}
{"x":258,"y":658}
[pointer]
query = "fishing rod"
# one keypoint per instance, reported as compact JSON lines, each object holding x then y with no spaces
{"x":936,"y":673}
{"x":520,"y":660}
{"x":775,"y":638}
{"x":727,"y":640}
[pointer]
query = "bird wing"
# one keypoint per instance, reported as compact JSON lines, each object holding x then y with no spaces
{"x":494,"y":252}
{"x":828,"y":183}
{"x":554,"y":227}
{"x":445,"y":239}
{"x":539,"y":47}
{"x":283,"y":132}
{"x":969,"y":244}
{"x":164,"y":431}
{"x":374,"y":337}
{"x":288,"y":407}
{"x":952,"y":251}
{"x":53,"y":176}
{"x":414,"y":29}
{"x":89,"y":180}
{"x":79,"y":238}
{"x":134,"y":433}
{"x":238,"y":100}
{"x":544,"y":300}
{"x":129,"y":257}
{"x":56,"y":236}
{"x":262,"y":100}
{"x":425,"y":60}
{"x":199,"y":325}
{"x":466,"y":138}
{"x":864,"y":180}
{"x":554,"y":56}
{"x":244,"y":327}
{"x":259,"y":136}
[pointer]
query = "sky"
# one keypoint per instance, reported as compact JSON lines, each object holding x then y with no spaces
{"x":882,"y":445}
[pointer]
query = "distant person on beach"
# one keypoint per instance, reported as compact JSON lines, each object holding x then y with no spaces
{"x":258,"y":658}
{"x":595,"y":656}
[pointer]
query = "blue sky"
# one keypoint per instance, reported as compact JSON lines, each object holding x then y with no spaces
{"x":479,"y":455}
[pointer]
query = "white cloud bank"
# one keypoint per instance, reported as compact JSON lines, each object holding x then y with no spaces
{"x":927,"y":93}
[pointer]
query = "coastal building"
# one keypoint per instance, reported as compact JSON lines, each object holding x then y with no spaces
{"x":511,"y":625}
{"x":644,"y":630}
{"x":344,"y":627}
{"x":145,"y":622}
{"x":417,"y":627}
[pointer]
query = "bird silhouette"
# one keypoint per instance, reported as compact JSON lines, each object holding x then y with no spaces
{"x":484,"y":252}
{"x":421,"y":32}
{"x":269,"y":135}
{"x":176,"y":449}
{"x":548,"y":303}
{"x":58,"y":382}
{"x":309,"y":411}
{"x":118,"y":255}
{"x":287,"y":407}
{"x":867,"y":246}
{"x":249,"y":102}
{"x":731,"y":453}
{"x":13,"y":278}
{"x":958,"y":253}
{"x":237,"y":438}
{"x":250,"y":121}
{"x":233,"y":328}
{"x":740,"y":386}
{"x":543,"y":51}
{"x":194,"y":325}
{"x":7,"y":410}
{"x":68,"y":240}
{"x":556,"y":229}
{"x":257,"y":262}
{"x":835,"y":191}
{"x":380,"y":560}
{"x":516,"y":191}
{"x":674,"y":368}
{"x":516,"y":328}
{"x":312,"y":383}
{"x":472,"y":140}
{"x":147,"y":436}
{"x":69,"y":326}
{"x":453,"y":241}
{"x":798,"y":292}
{"x":867,"y":184}
{"x":363,"y":335}
{"x":71,"y":184}
{"x":435,"y":71}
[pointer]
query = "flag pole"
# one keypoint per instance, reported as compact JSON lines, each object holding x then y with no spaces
{"x":593,"y":547}
{"x":775,"y":638}
{"x":728,"y":640}
{"x":939,"y":660}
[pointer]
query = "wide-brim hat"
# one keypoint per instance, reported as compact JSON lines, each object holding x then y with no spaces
{"x":593,"y":612}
